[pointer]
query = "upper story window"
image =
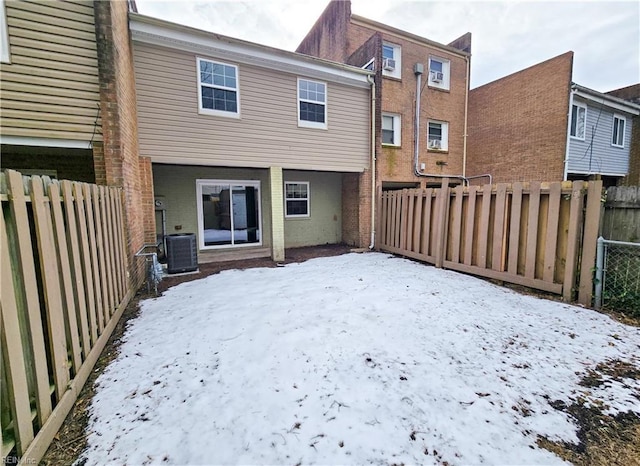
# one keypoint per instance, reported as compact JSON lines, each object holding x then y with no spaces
{"x":296,"y":197}
{"x":438,"y":135}
{"x":391,"y":60}
{"x":4,"y":36}
{"x":218,"y":92}
{"x":390,"y":129}
{"x":578,"y":121}
{"x":439,"y":73}
{"x":619,"y":123}
{"x":312,"y":104}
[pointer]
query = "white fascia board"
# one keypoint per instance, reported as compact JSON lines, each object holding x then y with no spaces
{"x":251,"y":54}
{"x":604,"y":100}
{"x":595,"y":172}
{"x":44,"y":142}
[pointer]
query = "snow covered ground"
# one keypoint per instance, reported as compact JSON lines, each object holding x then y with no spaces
{"x":354,"y":359}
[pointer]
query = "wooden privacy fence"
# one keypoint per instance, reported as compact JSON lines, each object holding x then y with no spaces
{"x":538,"y":235}
{"x":621,"y":219}
{"x":64,"y":287}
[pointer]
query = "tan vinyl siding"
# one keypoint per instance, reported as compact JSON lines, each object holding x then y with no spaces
{"x":267,"y":133}
{"x":50,"y":88}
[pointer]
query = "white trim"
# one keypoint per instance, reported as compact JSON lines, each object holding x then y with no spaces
{"x":572,"y":172}
{"x":5,"y":51}
{"x":397,"y":129}
{"x":370,"y":62}
{"x":444,"y":142}
{"x":313,"y":124}
{"x":163,"y":33}
{"x":44,"y":142}
{"x":446,"y":71}
{"x":580,"y":105}
{"x":397,"y":56}
{"x":624,"y":130}
{"x":208,"y":182}
{"x":604,"y":100}
{"x":308,"y":199}
{"x":209,"y":111}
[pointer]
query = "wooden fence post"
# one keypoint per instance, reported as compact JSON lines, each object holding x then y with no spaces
{"x":442,"y":220}
{"x":589,"y":242}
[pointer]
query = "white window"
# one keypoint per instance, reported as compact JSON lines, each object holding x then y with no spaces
{"x":296,"y":198}
{"x":438,"y":135}
{"x":218,"y":92}
{"x":578,"y":121}
{"x":371,"y":65}
{"x":4,"y":36}
{"x":619,"y":123}
{"x":312,"y":104}
{"x":228,"y":213}
{"x":390,"y":129}
{"x":439,"y":73}
{"x":391,"y":60}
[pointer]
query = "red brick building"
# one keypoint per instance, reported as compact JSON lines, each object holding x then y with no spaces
{"x":410,"y":151}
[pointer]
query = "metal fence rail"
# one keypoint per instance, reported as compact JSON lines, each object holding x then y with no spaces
{"x":618,"y":276}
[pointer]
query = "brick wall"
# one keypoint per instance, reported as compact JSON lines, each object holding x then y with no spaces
{"x":518,"y":124}
{"x":327,"y":38}
{"x":122,"y":165}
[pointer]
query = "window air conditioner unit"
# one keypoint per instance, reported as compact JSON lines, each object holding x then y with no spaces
{"x":182,"y":254}
{"x":437,"y":76}
{"x":389,"y":64}
{"x":434,"y":144}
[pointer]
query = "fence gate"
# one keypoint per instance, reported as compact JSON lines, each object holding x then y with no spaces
{"x":540,"y":235}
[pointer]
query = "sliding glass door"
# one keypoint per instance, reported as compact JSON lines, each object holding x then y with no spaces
{"x":228,"y":213}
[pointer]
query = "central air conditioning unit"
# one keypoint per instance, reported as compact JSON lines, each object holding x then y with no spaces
{"x":182,"y":254}
{"x":434,"y":144}
{"x":437,"y":76}
{"x":389,"y":64}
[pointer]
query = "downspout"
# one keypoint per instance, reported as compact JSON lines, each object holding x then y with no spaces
{"x":373,"y":161}
{"x":466,"y":115}
{"x":566,"y":152}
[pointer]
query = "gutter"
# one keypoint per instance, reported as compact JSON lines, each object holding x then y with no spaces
{"x":373,"y":162}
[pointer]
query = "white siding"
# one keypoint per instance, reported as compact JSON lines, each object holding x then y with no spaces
{"x":600,"y":157}
{"x":267,"y":132}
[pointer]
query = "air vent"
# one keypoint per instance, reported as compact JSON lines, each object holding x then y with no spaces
{"x":182,"y":254}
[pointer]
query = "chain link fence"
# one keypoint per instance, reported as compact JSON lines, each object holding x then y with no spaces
{"x":618,"y":276}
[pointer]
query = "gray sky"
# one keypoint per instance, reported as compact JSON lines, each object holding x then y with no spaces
{"x":507,"y":36}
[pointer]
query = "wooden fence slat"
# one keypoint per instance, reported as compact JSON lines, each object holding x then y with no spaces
{"x":575,"y":223}
{"x":13,"y":353}
{"x":18,"y":203}
{"x":499,"y":230}
{"x":410,"y":219}
{"x":51,"y":286}
{"x":115,"y":281}
{"x":100,"y":249}
{"x":91,"y":226}
{"x":514,"y":228}
{"x":483,"y":230}
{"x":85,"y":250}
{"x":456,"y":227}
{"x":426,"y":224}
{"x":70,"y":319}
{"x":108,"y":248}
{"x":120,"y":240}
{"x":392,"y":223}
{"x":532,"y":229}
{"x":470,"y":225}
{"x":76,"y":266}
{"x":591,"y":224}
{"x":417,"y":223}
{"x":555,"y":190}
{"x":404,"y":214}
{"x":382,"y":230}
{"x":398,"y":225}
